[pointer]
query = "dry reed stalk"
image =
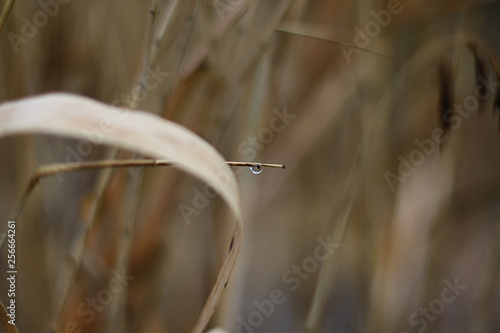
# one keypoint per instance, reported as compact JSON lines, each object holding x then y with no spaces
{"x":6,"y":12}
{"x":159,"y":138}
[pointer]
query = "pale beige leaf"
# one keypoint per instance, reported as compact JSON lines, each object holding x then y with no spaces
{"x":74,"y":116}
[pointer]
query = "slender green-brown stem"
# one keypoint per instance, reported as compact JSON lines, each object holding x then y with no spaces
{"x":117,"y":320}
{"x":105,"y":177}
{"x":79,"y":250}
{"x":6,"y":12}
{"x":60,"y":168}
{"x":331,"y":40}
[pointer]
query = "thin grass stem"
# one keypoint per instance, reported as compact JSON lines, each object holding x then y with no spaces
{"x":6,"y":12}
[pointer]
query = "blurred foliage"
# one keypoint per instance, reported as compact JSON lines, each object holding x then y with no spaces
{"x":365,"y":85}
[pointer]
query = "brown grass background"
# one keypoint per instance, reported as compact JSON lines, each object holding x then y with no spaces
{"x":352,"y":121}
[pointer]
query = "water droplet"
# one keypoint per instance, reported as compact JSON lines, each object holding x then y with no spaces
{"x":256,"y":169}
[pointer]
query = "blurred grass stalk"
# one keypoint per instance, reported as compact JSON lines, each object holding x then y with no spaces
{"x":228,"y":72}
{"x":6,"y":12}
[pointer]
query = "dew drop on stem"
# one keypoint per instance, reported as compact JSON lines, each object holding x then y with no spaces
{"x":256,"y":169}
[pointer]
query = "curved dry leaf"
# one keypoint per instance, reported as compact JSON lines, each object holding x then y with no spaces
{"x":75,"y":116}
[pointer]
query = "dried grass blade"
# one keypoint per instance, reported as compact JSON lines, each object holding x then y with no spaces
{"x":6,"y":12}
{"x":304,"y":30}
{"x":74,"y":116}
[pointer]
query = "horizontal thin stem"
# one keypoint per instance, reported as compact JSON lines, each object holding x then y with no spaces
{"x":327,"y":39}
{"x":48,"y":170}
{"x":56,"y":168}
{"x":249,"y":164}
